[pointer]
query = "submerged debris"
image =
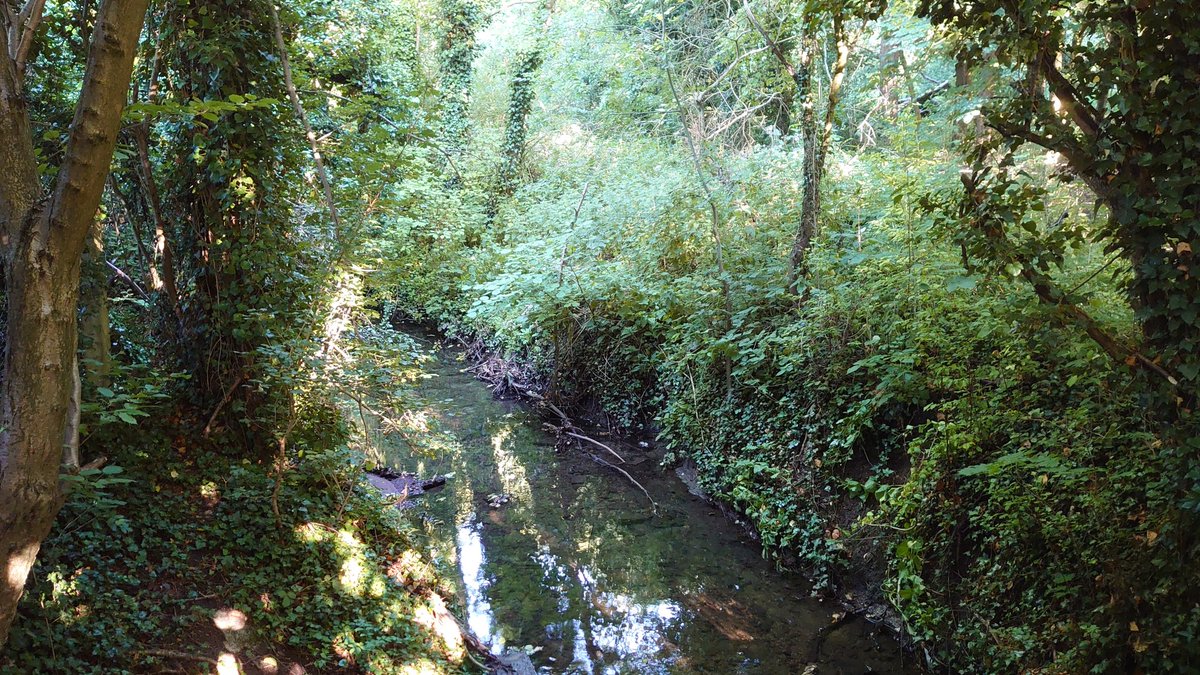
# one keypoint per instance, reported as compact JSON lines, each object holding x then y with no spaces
{"x":404,"y":484}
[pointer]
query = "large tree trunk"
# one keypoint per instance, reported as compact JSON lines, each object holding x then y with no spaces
{"x":44,"y":237}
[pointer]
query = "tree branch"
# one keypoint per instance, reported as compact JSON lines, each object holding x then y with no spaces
{"x":1069,"y":149}
{"x":29,"y":18}
{"x":1083,"y":114}
{"x":128,"y":280}
{"x":774,"y":46}
{"x":163,"y":253}
{"x":1049,"y":292}
{"x":93,"y":135}
{"x":396,"y":127}
{"x":19,"y":185}
{"x":844,"y":44}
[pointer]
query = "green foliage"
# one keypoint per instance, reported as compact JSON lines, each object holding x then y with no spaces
{"x":1105,"y":86}
{"x":922,"y":415}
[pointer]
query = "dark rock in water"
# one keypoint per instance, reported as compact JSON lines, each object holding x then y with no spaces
{"x":391,"y":482}
{"x":690,"y":475}
{"x":514,"y":663}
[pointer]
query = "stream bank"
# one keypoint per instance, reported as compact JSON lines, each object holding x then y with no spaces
{"x":566,"y":559}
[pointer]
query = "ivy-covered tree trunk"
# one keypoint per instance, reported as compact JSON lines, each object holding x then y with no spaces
{"x":44,"y":236}
{"x":456,"y":54}
{"x":810,"y":200}
{"x":815,"y":135}
{"x":516,"y":129}
{"x":240,"y":254}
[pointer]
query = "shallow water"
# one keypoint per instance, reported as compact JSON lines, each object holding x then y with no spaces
{"x":576,"y":566}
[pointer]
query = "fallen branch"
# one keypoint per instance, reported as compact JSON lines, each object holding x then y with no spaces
{"x":97,"y":463}
{"x":169,"y":654}
{"x":567,"y":427}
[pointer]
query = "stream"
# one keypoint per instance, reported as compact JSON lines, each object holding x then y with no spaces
{"x":561,"y":556}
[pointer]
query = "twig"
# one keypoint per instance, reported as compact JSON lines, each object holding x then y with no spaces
{"x":600,"y":460}
{"x":224,"y":401}
{"x":281,"y":465}
{"x":563,"y":415}
{"x":562,"y":262}
{"x":594,"y":442}
{"x":1093,"y":275}
{"x":318,"y":161}
{"x":120,"y":274}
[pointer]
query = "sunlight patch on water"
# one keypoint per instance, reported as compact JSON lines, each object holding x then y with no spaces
{"x":582,"y":657}
{"x":509,"y":469}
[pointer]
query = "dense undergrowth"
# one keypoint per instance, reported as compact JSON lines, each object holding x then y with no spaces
{"x":989,"y":472}
{"x":933,"y":434}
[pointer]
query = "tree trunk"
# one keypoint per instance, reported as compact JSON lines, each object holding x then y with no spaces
{"x":815,"y":138}
{"x":816,"y":148}
{"x":44,"y":237}
{"x":94,"y":323}
{"x":811,"y":179}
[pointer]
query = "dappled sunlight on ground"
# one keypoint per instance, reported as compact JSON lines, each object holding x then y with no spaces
{"x":435,"y":617}
{"x":420,"y":667}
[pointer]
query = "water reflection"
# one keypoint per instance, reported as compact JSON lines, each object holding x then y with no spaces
{"x":574,"y":566}
{"x":470,"y":564}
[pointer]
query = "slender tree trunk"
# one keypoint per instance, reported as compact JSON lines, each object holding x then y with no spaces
{"x":811,"y":180}
{"x":94,"y":322}
{"x":816,"y":147}
{"x":298,"y":107}
{"x":44,"y":238}
{"x":815,"y":138}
